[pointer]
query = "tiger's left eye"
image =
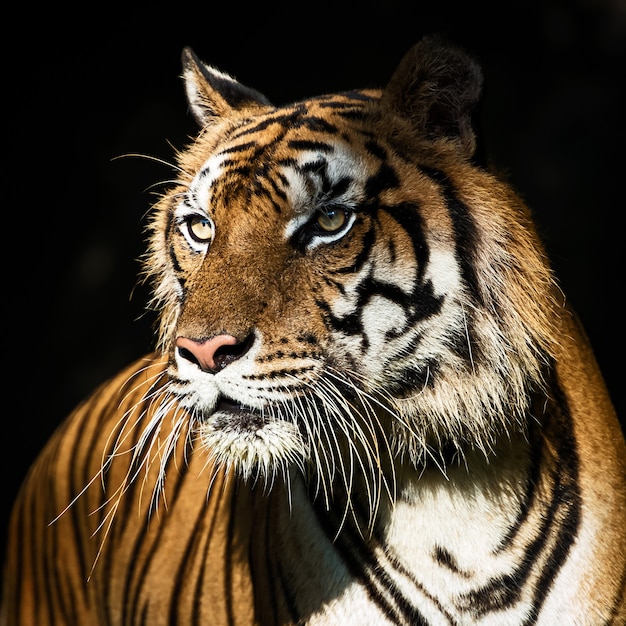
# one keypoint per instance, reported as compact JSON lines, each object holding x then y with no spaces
{"x":331,"y":219}
{"x":200,"y":228}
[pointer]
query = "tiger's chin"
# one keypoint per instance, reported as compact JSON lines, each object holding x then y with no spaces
{"x":252,"y":444}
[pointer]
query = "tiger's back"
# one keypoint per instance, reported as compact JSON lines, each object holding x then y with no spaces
{"x":90,"y":568}
{"x":369,"y":404}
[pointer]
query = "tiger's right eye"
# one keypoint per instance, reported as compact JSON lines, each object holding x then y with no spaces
{"x":200,"y":228}
{"x":331,"y":219}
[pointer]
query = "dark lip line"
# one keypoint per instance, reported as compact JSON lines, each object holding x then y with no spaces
{"x":227,"y":405}
{"x":238,"y":416}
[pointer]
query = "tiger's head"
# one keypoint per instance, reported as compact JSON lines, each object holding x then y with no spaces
{"x":341,"y":287}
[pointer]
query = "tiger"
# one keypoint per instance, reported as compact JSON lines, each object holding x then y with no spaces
{"x":368,"y":401}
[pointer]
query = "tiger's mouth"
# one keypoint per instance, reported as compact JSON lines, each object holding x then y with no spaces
{"x":254,"y":443}
{"x":230,"y":414}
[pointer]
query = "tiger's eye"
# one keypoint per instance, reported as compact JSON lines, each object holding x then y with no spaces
{"x":330,"y":219}
{"x":201,"y":228}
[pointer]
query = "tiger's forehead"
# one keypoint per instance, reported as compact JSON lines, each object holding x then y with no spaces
{"x":299,"y":157}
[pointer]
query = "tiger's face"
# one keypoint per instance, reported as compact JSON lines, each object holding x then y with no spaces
{"x":341,"y":287}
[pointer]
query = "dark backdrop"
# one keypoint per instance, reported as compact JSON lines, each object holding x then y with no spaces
{"x":80,"y":90}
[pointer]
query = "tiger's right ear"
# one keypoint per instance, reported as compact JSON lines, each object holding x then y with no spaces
{"x":212,"y":95}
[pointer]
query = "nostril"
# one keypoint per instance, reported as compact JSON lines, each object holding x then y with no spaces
{"x":188,"y":355}
{"x":227,"y":353}
{"x":215,"y":353}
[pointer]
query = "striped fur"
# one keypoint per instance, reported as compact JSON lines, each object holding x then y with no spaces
{"x":368,"y":403}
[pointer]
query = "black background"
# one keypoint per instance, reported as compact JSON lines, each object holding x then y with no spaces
{"x":83,"y":88}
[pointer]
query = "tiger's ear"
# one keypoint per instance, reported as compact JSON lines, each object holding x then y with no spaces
{"x":212,"y":95}
{"x":436,"y":87}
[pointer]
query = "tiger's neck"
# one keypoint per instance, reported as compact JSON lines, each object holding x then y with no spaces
{"x":448,"y":540}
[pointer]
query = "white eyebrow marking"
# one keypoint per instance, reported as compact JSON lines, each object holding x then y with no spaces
{"x":203,"y":181}
{"x":304,"y":188}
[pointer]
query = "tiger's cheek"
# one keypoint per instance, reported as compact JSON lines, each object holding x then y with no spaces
{"x":367,"y":305}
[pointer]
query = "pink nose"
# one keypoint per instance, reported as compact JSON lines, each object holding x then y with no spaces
{"x":213,"y":354}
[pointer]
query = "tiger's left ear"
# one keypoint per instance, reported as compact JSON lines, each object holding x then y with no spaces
{"x":436,"y":87}
{"x":213,"y":95}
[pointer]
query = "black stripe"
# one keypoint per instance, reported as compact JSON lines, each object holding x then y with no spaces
{"x":136,"y":578}
{"x":285,"y":119}
{"x":319,"y":168}
{"x":317,"y":125}
{"x":445,"y":558}
{"x":125,"y":521}
{"x":407,"y":215}
{"x":66,"y":589}
{"x":354,"y":115}
{"x":22,"y":544}
{"x":363,"y":565}
{"x":144,"y":615}
{"x":532,"y":479}
{"x":465,"y":231}
{"x":32,"y":550}
{"x":170,"y":227}
{"x":413,"y":378}
{"x":205,"y":569}
{"x":239,"y":167}
{"x":176,"y":266}
{"x":278,"y":191}
{"x":567,"y":500}
{"x":375,"y":149}
{"x":89,"y":449}
{"x":354,"y":266}
{"x":308,"y":144}
{"x":43,"y":542}
{"x":350,"y":324}
{"x":384,"y":179}
{"x":242,"y":147}
{"x":181,"y":578}
{"x":466,"y":344}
